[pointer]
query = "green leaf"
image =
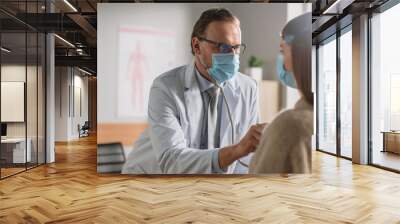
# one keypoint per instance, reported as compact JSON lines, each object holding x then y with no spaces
{"x":255,"y":62}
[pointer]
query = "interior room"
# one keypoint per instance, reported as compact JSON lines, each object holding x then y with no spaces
{"x":22,"y":102}
{"x":121,"y":121}
{"x":60,"y":71}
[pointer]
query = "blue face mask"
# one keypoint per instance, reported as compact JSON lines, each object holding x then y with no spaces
{"x":284,"y":76}
{"x":224,"y":66}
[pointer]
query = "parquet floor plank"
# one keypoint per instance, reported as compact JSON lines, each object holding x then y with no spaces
{"x":70,"y":191}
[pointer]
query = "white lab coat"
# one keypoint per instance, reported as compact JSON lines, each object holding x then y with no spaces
{"x":171,"y":143}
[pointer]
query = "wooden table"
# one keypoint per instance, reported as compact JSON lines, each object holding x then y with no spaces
{"x":391,"y":141}
{"x":13,"y":150}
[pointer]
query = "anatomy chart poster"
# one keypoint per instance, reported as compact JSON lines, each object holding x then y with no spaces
{"x":144,"y":54}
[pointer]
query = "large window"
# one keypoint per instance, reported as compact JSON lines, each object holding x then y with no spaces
{"x":334,"y":94}
{"x":385,"y":89}
{"x":346,"y":93}
{"x":327,"y":96}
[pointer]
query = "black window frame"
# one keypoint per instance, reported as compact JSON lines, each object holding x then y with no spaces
{"x":333,"y":37}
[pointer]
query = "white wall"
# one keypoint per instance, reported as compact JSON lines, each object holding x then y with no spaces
{"x":11,"y":73}
{"x":14,"y":73}
{"x":17,"y":73}
{"x":33,"y":126}
{"x":66,"y":119}
{"x":13,"y":101}
{"x":110,"y":17}
{"x":260,"y":23}
{"x":61,"y":103}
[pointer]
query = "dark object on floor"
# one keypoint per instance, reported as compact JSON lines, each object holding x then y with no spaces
{"x":110,"y":158}
{"x":84,"y":130}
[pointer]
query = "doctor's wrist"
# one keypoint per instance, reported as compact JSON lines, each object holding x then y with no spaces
{"x":240,"y":151}
{"x":228,"y":155}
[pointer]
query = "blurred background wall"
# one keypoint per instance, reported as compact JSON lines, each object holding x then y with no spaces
{"x":162,"y":36}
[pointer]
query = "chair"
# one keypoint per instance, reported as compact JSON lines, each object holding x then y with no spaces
{"x":110,"y":158}
{"x":84,"y":130}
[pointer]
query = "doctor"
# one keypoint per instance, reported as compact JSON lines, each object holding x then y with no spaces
{"x":189,"y":125}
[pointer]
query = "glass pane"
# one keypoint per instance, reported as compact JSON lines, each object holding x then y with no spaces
{"x":385,"y":84}
{"x":31,"y":100}
{"x":14,"y":153}
{"x":327,"y":97}
{"x":41,"y":98}
{"x":346,"y":94}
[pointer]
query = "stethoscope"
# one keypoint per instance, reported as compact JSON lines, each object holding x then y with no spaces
{"x":230,"y":118}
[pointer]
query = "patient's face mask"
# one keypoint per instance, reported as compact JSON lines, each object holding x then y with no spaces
{"x":224,"y":66}
{"x":286,"y":77}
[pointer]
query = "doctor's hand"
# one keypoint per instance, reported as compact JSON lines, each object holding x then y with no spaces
{"x":251,"y":140}
{"x":247,"y":144}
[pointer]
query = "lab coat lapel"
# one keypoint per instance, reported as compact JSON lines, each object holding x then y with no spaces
{"x":232,"y":93}
{"x":193,"y":102}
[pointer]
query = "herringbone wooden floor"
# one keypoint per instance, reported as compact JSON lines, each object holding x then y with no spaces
{"x":70,"y":191}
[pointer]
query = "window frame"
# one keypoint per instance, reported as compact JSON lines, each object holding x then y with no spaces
{"x":333,"y":37}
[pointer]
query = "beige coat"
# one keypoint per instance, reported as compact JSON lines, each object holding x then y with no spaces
{"x":285,"y":145}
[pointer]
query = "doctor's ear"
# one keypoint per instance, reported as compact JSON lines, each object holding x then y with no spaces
{"x":195,"y":45}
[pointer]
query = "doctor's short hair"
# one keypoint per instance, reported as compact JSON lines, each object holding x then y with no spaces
{"x":207,"y":17}
{"x":297,"y":33}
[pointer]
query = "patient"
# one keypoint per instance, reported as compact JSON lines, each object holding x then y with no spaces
{"x":285,"y":145}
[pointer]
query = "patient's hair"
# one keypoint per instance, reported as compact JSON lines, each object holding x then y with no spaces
{"x":298,"y":32}
{"x":207,"y":17}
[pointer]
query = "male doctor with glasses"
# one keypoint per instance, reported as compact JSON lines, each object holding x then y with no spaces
{"x":202,"y":116}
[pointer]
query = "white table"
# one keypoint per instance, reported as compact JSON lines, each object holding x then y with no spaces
{"x":18,"y":144}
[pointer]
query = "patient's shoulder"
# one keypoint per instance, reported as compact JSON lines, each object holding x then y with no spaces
{"x":294,"y":120}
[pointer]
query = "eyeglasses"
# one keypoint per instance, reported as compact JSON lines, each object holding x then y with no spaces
{"x":226,"y":48}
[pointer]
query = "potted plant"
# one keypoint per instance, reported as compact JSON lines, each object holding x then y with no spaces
{"x":255,"y":68}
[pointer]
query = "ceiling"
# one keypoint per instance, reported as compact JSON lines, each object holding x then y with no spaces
{"x":76,"y":22}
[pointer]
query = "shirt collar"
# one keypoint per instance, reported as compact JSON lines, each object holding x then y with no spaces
{"x":204,"y":84}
